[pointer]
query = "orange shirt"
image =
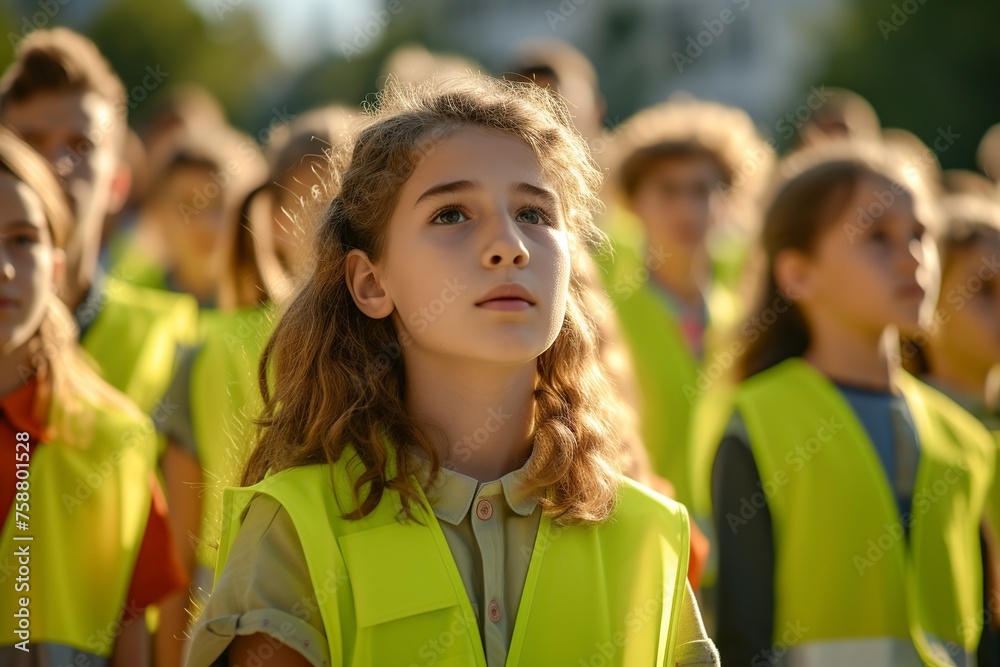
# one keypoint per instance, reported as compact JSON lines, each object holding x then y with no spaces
{"x":158,"y":570}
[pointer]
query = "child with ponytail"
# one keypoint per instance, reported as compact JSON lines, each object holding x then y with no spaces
{"x":847,"y":495}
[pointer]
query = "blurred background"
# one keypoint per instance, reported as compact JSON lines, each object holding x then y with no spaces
{"x":927,"y":65}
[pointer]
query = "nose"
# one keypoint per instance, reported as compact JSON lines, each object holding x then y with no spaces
{"x":505,"y":247}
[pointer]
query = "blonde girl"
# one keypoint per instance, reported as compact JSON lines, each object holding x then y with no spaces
{"x":84,"y":541}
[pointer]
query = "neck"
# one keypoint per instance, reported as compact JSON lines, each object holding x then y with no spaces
{"x":13,"y":362}
{"x":683,"y":273}
{"x":189,"y":277}
{"x":848,"y":355}
{"x":480,"y":418}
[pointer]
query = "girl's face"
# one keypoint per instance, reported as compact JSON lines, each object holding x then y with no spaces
{"x":477,"y":262}
{"x":872,"y":279}
{"x":192,"y":210}
{"x":970,"y":296}
{"x":28,"y":262}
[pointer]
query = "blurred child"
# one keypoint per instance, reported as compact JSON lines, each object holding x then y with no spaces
{"x":965,"y":182}
{"x":843,"y":115}
{"x":87,"y":539}
{"x":569,"y":73}
{"x":297,"y":189}
{"x":199,"y":185}
{"x":263,"y":248}
{"x":960,"y":348}
{"x":963,"y":343}
{"x":847,"y":495}
{"x":438,"y":434}
{"x":63,"y":99}
{"x":684,"y":169}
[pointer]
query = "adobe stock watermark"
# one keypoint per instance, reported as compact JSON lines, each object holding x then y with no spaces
{"x":47,"y":11}
{"x":792,"y":635}
{"x":901,"y":13}
{"x":698,"y":44}
{"x":432,"y":650}
{"x":626,"y":285}
{"x":247,"y":153}
{"x":103,"y":639}
{"x":723,"y":360}
{"x":419,"y":320}
{"x":785,"y":127}
{"x":636,"y":618}
{"x":101,"y":471}
{"x":469,"y":444}
{"x":956,"y":298}
{"x":378,"y":20}
{"x":565,"y":9}
{"x":923,"y":501}
{"x":795,"y":459}
{"x":885,"y":198}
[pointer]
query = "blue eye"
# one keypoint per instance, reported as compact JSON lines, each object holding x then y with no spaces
{"x":449,"y":216}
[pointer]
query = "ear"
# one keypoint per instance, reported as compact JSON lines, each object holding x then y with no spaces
{"x":363,"y":279}
{"x":793,"y":274}
{"x":121,"y":185}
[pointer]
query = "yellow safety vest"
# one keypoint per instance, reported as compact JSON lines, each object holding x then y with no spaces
{"x":133,"y":340}
{"x":225,"y":399}
{"x":671,"y":380}
{"x":89,"y":504}
{"x":607,"y":594}
{"x":856,"y":588}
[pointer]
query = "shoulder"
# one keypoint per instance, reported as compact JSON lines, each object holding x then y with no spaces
{"x":151,"y":303}
{"x":639,"y":506}
{"x":947,"y":414}
{"x":98,"y":414}
{"x":266,"y":589}
{"x":324,"y":491}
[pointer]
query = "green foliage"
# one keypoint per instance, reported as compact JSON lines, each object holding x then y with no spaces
{"x":925,"y":66}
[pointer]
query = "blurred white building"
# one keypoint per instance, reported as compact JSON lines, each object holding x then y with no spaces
{"x":751,"y":53}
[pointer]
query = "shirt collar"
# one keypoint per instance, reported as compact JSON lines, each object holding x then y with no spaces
{"x":452,"y":494}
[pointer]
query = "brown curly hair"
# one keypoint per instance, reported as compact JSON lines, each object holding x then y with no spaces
{"x":337,"y":376}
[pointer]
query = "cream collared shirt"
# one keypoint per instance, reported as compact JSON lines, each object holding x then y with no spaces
{"x":490,"y":528}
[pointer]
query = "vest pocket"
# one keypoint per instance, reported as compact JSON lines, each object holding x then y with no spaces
{"x":406,"y":607}
{"x":396,"y":571}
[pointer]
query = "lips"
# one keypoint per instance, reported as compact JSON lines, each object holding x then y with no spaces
{"x":509,"y":294}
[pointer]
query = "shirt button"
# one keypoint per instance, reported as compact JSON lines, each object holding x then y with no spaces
{"x":494,"y":611}
{"x":484,"y":510}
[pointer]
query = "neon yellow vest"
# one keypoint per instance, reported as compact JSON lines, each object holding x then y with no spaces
{"x":135,"y":267}
{"x":844,"y":569}
{"x":225,"y":399}
{"x":611,"y":592}
{"x":134,"y":338}
{"x":669,"y":377}
{"x":89,"y":504}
